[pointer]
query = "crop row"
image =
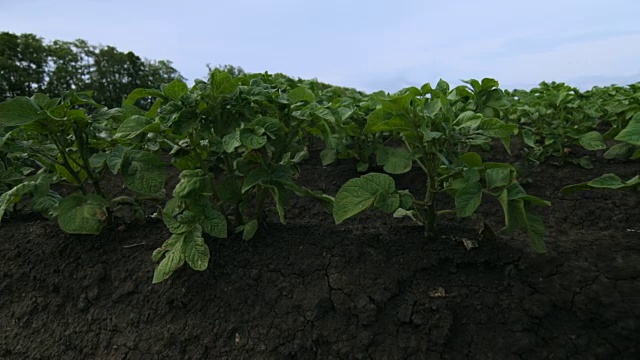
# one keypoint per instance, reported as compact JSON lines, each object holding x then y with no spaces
{"x":237,"y":142}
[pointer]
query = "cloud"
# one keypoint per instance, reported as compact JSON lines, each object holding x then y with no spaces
{"x":371,"y":46}
{"x":602,"y":61}
{"x":608,"y":57}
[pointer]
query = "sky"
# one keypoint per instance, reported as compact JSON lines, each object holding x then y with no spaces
{"x":370,"y":45}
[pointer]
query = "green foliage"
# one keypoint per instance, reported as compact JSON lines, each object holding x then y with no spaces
{"x":631,"y":133}
{"x":65,"y":138}
{"x":630,"y":139}
{"x":82,"y":214}
{"x":365,"y":192}
{"x":188,"y":215}
{"x":29,"y":65}
{"x":484,"y":97}
{"x":606,"y":181}
{"x":438,"y":132}
{"x":23,"y":60}
{"x":234,"y":71}
{"x":14,"y":195}
{"x":237,"y":140}
{"x":553,"y":118}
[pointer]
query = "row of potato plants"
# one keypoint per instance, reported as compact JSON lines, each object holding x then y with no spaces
{"x":234,"y":142}
{"x":554,"y":118}
{"x":237,"y":142}
{"x":438,"y":129}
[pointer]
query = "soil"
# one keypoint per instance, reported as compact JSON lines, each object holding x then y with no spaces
{"x":372,"y":287}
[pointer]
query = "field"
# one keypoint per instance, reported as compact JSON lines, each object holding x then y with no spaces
{"x":487,"y":281}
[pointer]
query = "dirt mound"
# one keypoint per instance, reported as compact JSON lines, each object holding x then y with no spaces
{"x":369,"y":288}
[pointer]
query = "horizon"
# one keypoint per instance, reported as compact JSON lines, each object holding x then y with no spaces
{"x":379,"y":46}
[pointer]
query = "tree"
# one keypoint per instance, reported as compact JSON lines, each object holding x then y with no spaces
{"x":23,"y":62}
{"x":68,"y":68}
{"x":28,"y":65}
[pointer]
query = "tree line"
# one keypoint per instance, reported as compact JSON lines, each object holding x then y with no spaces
{"x":28,"y":65}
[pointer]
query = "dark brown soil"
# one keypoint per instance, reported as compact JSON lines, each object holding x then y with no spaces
{"x":369,"y":288}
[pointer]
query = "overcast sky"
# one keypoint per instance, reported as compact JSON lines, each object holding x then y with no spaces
{"x":369,"y":45}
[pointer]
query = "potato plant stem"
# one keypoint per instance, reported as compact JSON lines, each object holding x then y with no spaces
{"x":260,"y":198}
{"x":82,"y":140}
{"x":430,"y":197}
{"x":67,"y":165}
{"x":195,"y":145}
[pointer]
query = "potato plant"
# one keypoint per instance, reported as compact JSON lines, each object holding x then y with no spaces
{"x":15,"y":164}
{"x":552,"y":120}
{"x":236,"y":147}
{"x":614,"y":105}
{"x":61,"y":136}
{"x":438,"y":141}
{"x":484,"y":97}
{"x":343,"y":131}
{"x":629,"y":136}
{"x":237,"y":139}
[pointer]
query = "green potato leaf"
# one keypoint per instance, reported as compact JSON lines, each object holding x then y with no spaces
{"x":394,"y":160}
{"x":214,"y":222}
{"x":193,"y":182}
{"x":174,"y":258}
{"x":618,"y":151}
{"x":115,"y":158}
{"x":231,"y":141}
{"x":136,"y":125}
{"x":517,"y":215}
{"x":80,"y":214}
{"x":359,"y":194}
{"x":168,"y":245}
{"x":300,"y":94}
{"x":471,"y":159}
{"x":196,"y":252}
{"x":172,"y":209}
{"x":498,"y":177}
{"x":137,"y":94}
{"x":20,"y":111}
{"x":592,"y":141}
{"x":252,"y":138}
{"x":145,"y":174}
{"x":534,"y":227}
{"x":175,"y":89}
{"x":468,"y":198}
{"x":631,"y":133}
{"x":14,"y":195}
{"x":249,"y":229}
{"x":388,"y":203}
{"x":606,"y":181}
{"x":328,"y":156}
